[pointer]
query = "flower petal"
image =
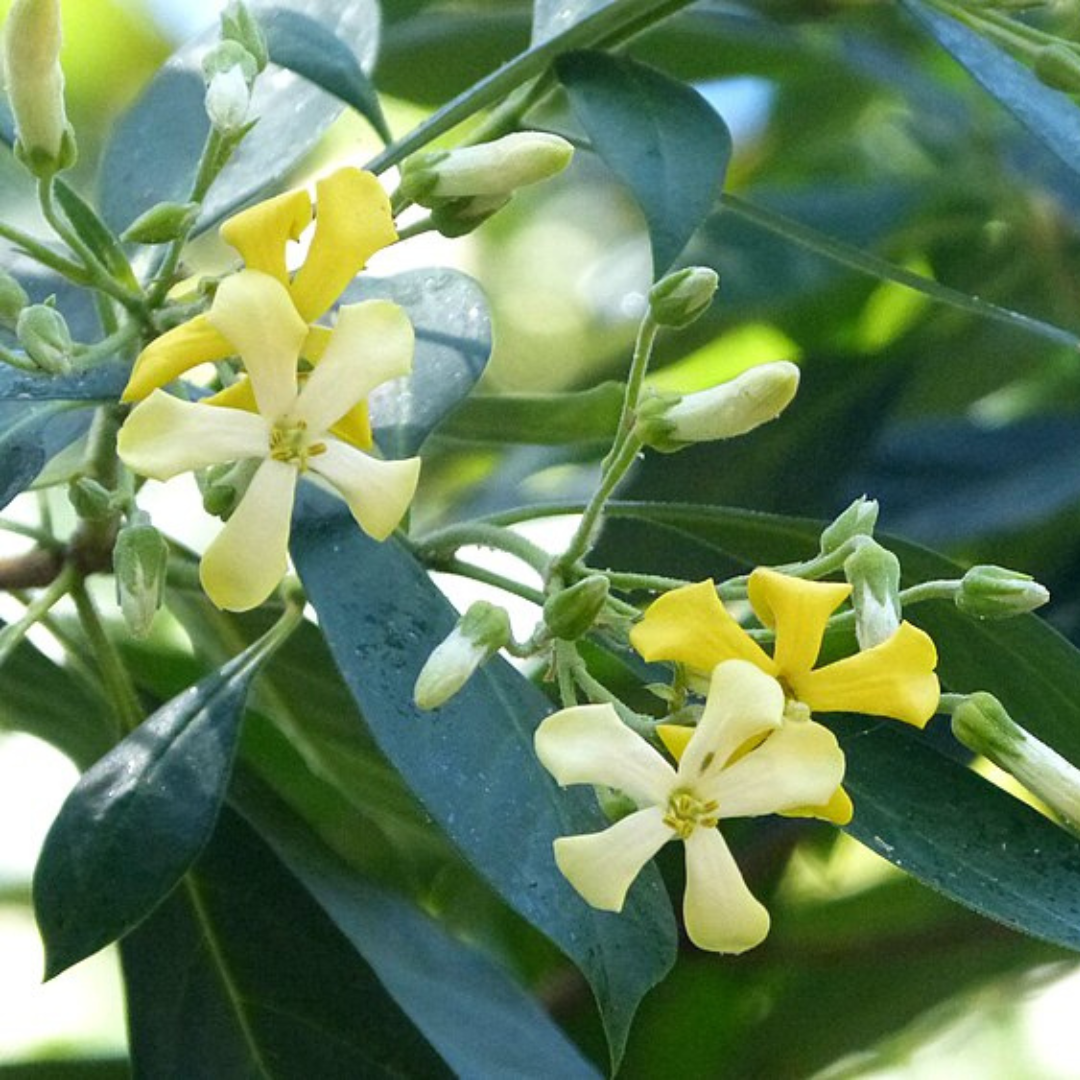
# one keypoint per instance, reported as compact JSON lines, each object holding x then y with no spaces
{"x":378,"y":492}
{"x":799,"y":765}
{"x":895,"y":678}
{"x":743,"y":703}
{"x":839,"y":810}
{"x":261,"y":232}
{"x":691,"y":626}
{"x":602,"y":866}
{"x":255,"y":313}
{"x":248,"y":558}
{"x":720,"y":912}
{"x":371,"y":343}
{"x":799,"y":610}
{"x":589,"y":744}
{"x":353,"y":221}
{"x":238,"y":395}
{"x":165,"y":436}
{"x":169,"y":356}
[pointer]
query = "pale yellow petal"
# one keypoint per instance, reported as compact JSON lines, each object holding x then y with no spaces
{"x":353,"y":221}
{"x":895,"y":679}
{"x":249,"y":557}
{"x":371,"y":343}
{"x":355,"y":426}
{"x":239,"y":395}
{"x":602,"y":866}
{"x":720,"y":912}
{"x":589,"y":744}
{"x":839,"y":810}
{"x":254,"y":312}
{"x":262,"y":232}
{"x":167,"y":358}
{"x":691,"y":626}
{"x":378,"y":492}
{"x":165,"y":436}
{"x":799,"y":611}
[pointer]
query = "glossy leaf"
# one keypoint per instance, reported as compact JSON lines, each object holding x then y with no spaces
{"x":660,"y":137}
{"x":305,"y":46}
{"x":471,"y":762}
{"x":31,"y":434}
{"x":240,"y":974}
{"x":138,"y":818}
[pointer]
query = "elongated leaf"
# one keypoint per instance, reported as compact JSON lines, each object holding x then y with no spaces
{"x":305,"y":46}
{"x":239,"y":974}
{"x":100,"y":384}
{"x":139,"y":817}
{"x":95,"y":233}
{"x":439,"y":982}
{"x":551,"y":17}
{"x":659,"y":137}
{"x":471,"y":762}
{"x":30,"y":434}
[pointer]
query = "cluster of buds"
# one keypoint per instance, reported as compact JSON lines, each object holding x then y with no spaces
{"x":231,"y":67}
{"x":44,"y":335}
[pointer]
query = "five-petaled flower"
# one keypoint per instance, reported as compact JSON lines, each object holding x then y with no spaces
{"x":741,"y":761}
{"x":289,"y":434}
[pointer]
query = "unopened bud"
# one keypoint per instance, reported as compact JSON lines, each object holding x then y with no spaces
{"x":570,"y":613}
{"x":681,"y":297}
{"x":13,"y":299}
{"x":480,"y":633}
{"x":1058,"y":67}
{"x":140,"y":560}
{"x":859,"y":519}
{"x":223,"y":486}
{"x":992,"y":592}
{"x":459,"y":217}
{"x":162,"y":223}
{"x":43,"y":333}
{"x":733,"y":408}
{"x":874,"y":575}
{"x":35,"y":86}
{"x":228,"y":86}
{"x":91,"y":500}
{"x":239,"y":25}
{"x":981,"y":723}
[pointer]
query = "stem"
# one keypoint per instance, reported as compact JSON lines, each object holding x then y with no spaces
{"x":417,"y":228}
{"x":107,"y":347}
{"x":489,"y":577}
{"x":445,"y":542}
{"x":13,"y":634}
{"x":22,"y":363}
{"x":639,"y":365}
{"x":565,"y":657}
{"x":45,"y":255}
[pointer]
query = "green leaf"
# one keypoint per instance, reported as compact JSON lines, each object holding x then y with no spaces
{"x":67,"y":1069}
{"x":472,"y":762}
{"x":660,"y":138}
{"x":551,"y":17}
{"x":101,"y":384}
{"x":139,"y":817}
{"x":240,"y":974}
{"x":305,"y":46}
{"x":30,"y":434}
{"x":449,"y":314}
{"x":95,"y":233}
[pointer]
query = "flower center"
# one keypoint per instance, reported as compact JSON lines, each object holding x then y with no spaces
{"x":685,"y":812}
{"x":289,"y":443}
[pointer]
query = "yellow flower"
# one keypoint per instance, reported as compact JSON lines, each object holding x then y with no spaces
{"x":787,"y":766}
{"x":289,"y":433}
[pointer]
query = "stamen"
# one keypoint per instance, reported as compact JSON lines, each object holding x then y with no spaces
{"x":685,"y":812}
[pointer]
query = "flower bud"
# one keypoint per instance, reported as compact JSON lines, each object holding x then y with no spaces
{"x":162,"y":223}
{"x":239,"y":25}
{"x":480,"y":633}
{"x":458,"y":217}
{"x":44,"y":335}
{"x":13,"y":299}
{"x":35,"y":86}
{"x":229,"y":70}
{"x":1058,"y":67}
{"x":874,"y":575}
{"x":992,"y":592}
{"x":981,"y":723}
{"x":570,"y":613}
{"x":223,"y":486}
{"x":755,"y":397}
{"x":678,"y":299}
{"x":91,"y":500}
{"x":140,"y":560}
{"x":859,"y":519}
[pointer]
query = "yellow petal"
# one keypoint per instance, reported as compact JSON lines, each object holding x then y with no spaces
{"x":895,"y":678}
{"x":691,"y":626}
{"x":249,"y":557}
{"x":839,"y":810}
{"x":353,"y":222}
{"x":240,"y":395}
{"x":169,"y":356}
{"x":354,"y":427}
{"x":675,"y":737}
{"x":799,"y":611}
{"x":261,"y":232}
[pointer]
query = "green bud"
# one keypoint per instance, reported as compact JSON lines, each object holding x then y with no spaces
{"x":614,"y":805}
{"x":992,"y":592}
{"x":223,"y":486}
{"x":140,"y":560}
{"x":458,"y":217}
{"x":239,"y":25}
{"x":162,"y":223}
{"x":874,"y":575}
{"x":229,"y":70}
{"x":570,"y":613}
{"x":43,"y":333}
{"x":859,"y":519}
{"x":13,"y":299}
{"x":91,"y":500}
{"x":680,"y":298}
{"x":224,"y":57}
{"x":1058,"y":66}
{"x":480,"y":633}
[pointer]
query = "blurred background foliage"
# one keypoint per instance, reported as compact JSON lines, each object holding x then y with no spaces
{"x":850,"y":121}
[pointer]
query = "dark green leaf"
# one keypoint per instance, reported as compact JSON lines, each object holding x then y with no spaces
{"x":94,"y":233}
{"x":67,"y":1069}
{"x":305,"y":46}
{"x":100,"y":384}
{"x":471,"y":762}
{"x":139,"y":817}
{"x":660,"y":137}
{"x":32,"y":433}
{"x":239,"y":975}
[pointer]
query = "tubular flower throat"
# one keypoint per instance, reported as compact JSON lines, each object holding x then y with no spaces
{"x":785,"y":767}
{"x":288,"y":433}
